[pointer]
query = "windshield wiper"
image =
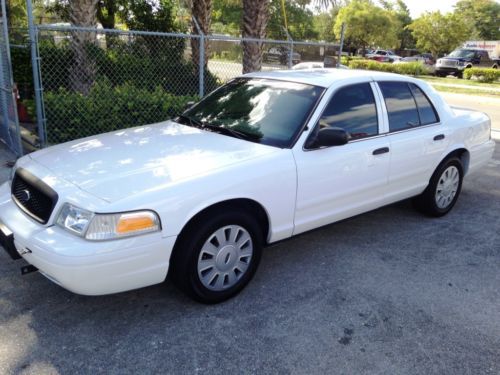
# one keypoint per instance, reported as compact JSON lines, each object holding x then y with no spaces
{"x":191,"y":121}
{"x":232,"y":132}
{"x":218,"y":129}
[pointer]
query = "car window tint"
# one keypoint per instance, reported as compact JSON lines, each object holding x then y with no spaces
{"x":400,"y":104}
{"x":270,"y":111}
{"x":353,"y":109}
{"x":425,"y":109}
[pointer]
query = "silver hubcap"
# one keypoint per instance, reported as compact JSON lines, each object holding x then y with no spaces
{"x":447,"y":187}
{"x":225,"y":257}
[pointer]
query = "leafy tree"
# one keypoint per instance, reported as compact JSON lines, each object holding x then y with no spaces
{"x":226,"y":17}
{"x":367,"y":25}
{"x":484,"y":15}
{"x":323,"y":24}
{"x":300,"y":21}
{"x":438,"y":33}
{"x":406,"y":40}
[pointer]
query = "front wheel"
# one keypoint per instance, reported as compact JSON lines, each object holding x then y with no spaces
{"x":217,"y":257}
{"x":443,"y":190}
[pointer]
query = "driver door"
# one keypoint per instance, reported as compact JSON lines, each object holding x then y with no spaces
{"x":342,"y":181}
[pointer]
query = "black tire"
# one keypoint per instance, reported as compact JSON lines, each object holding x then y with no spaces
{"x":440,"y":74}
{"x":184,"y":262}
{"x":427,"y":202}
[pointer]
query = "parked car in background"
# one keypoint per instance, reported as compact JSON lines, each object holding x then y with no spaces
{"x":425,"y":58}
{"x":281,"y":55}
{"x":463,"y":58}
{"x":383,"y":56}
{"x":316,"y":65}
{"x":265,"y":157}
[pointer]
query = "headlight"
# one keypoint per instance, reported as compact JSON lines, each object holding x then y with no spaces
{"x":99,"y":227}
{"x":74,"y":219}
{"x":107,"y":227}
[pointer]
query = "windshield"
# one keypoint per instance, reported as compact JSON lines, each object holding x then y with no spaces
{"x":266,"y":111}
{"x":462,"y":53}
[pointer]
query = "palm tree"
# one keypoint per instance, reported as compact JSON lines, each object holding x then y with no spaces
{"x":254,"y":24}
{"x":255,"y":18}
{"x":201,"y":10}
{"x":82,"y":73}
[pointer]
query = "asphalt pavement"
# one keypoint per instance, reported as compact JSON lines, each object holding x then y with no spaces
{"x":387,"y":292}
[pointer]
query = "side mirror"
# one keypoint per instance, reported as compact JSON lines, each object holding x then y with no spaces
{"x":331,"y":137}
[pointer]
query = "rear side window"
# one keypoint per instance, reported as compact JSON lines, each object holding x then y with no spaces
{"x":353,"y":109}
{"x":401,"y":107}
{"x":407,"y":106}
{"x":426,"y":111}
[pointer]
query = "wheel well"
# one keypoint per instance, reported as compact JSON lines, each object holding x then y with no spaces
{"x":463,"y":155}
{"x":240,"y":204}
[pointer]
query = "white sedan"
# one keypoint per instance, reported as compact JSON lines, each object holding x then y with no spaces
{"x":263,"y":158}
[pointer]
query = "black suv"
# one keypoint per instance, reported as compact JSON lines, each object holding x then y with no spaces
{"x":460,"y":59}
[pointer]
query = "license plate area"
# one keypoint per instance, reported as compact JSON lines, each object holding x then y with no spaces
{"x":7,"y":241}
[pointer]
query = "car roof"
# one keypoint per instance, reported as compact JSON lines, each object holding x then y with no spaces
{"x":324,"y":77}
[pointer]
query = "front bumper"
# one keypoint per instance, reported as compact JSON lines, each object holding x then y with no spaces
{"x":448,"y":69}
{"x":81,"y":266}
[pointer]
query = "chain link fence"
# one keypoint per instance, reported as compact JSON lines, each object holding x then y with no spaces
{"x":9,"y":125}
{"x":100,"y":80}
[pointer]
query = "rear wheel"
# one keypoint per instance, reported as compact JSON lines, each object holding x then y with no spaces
{"x":217,"y":257}
{"x":443,"y":190}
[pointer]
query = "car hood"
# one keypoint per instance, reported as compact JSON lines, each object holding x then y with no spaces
{"x":115,"y":165}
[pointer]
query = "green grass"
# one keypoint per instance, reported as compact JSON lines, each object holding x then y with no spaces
{"x":456,"y":81}
{"x":471,"y":91}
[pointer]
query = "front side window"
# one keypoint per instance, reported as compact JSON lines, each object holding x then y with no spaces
{"x":401,"y":107}
{"x":266,"y":111}
{"x":353,"y":109}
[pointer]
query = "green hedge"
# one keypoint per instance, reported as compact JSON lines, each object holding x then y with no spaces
{"x":487,"y":75}
{"x":411,"y":68}
{"x":135,"y":63}
{"x":71,"y":115}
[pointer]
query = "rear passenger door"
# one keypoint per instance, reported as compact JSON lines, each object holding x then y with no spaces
{"x":416,"y":136}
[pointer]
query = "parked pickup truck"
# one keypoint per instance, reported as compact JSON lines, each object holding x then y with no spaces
{"x":265,"y":157}
{"x":460,"y":59}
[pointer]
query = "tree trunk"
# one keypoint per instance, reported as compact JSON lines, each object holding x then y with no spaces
{"x":83,"y":69}
{"x":255,"y":18}
{"x":202,"y":13}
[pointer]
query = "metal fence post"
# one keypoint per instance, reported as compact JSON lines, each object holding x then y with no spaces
{"x":35,"y":61}
{"x":202,"y":65}
{"x":341,"y":46}
{"x":201,"y":62}
{"x":290,"y":52}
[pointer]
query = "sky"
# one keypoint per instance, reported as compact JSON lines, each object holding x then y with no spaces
{"x":417,"y":7}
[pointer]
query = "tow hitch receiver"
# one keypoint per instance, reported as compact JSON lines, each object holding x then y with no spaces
{"x":28,"y":269}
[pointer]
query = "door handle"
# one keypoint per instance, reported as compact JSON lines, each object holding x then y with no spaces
{"x":379,"y":151}
{"x":439,"y":137}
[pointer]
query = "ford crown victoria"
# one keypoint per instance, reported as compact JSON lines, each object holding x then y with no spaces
{"x":263,"y":158}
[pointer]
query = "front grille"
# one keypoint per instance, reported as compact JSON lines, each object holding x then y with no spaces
{"x":33,"y":196}
{"x":449,"y":63}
